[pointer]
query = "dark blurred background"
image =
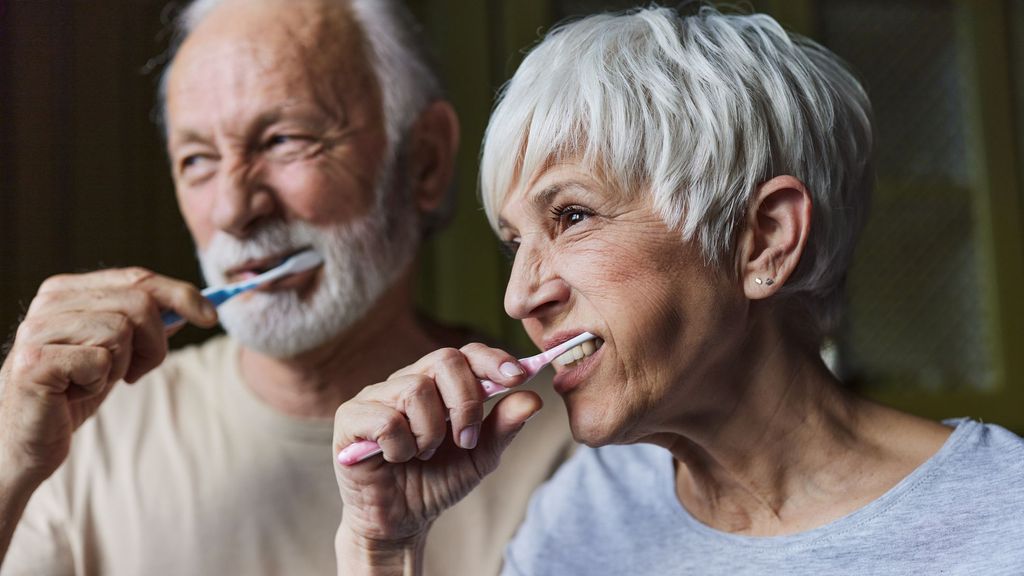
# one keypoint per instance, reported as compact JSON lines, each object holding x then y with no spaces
{"x":936,"y":321}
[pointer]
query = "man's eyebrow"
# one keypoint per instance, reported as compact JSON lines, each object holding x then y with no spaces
{"x":189,"y":136}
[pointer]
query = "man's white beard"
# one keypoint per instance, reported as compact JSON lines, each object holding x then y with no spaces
{"x":362,"y":259}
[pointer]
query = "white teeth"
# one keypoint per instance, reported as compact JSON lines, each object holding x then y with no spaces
{"x":580,"y":352}
{"x":588,"y":347}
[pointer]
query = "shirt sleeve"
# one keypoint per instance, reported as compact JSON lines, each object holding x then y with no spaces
{"x":41,"y":545}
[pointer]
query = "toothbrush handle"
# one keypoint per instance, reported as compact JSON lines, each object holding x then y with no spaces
{"x":356,"y":452}
{"x":170,"y":318}
{"x":216,"y":296}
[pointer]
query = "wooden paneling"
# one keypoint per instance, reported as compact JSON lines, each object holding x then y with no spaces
{"x":83,"y":180}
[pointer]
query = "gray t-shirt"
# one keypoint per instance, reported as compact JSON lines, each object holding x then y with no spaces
{"x":613,"y":510}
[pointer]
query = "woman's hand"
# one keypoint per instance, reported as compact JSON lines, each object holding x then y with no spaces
{"x":428,"y":464}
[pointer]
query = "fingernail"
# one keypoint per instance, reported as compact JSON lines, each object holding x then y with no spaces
{"x":428,"y":454}
{"x":510,"y":369}
{"x":469,"y":436}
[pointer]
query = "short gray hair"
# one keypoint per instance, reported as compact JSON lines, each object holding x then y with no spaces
{"x":398,"y":55}
{"x":698,"y":110}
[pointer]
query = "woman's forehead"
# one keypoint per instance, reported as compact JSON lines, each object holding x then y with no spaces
{"x":573,"y":181}
{"x":547,"y":183}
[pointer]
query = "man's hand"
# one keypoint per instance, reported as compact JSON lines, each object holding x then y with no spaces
{"x":82,"y":334}
{"x":428,"y":465}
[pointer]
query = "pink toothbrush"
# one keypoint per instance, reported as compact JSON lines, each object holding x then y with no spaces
{"x":359,"y":451}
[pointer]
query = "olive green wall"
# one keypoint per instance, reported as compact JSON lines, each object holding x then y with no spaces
{"x":84,"y":184}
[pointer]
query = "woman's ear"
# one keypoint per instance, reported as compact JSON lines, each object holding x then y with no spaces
{"x":434,"y":143}
{"x":774,"y":235}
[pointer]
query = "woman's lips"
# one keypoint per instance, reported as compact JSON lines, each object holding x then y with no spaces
{"x":568,"y":378}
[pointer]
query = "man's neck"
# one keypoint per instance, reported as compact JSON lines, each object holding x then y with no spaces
{"x":314,"y":384}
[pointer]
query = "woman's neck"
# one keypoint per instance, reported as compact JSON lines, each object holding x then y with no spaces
{"x":793,"y":450}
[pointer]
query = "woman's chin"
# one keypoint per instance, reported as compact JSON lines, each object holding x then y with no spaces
{"x":593,"y":427}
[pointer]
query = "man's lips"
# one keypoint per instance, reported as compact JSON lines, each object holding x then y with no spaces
{"x":255,"y":267}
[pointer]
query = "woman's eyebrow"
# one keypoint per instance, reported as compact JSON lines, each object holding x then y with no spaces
{"x":541,"y":200}
{"x":544,"y":198}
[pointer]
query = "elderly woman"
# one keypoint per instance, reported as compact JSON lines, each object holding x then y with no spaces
{"x":689,"y":190}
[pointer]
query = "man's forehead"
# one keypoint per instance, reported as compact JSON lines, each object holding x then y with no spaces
{"x":266,"y":55}
{"x":322,"y":35}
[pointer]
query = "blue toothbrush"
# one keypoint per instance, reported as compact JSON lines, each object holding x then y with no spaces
{"x":305,"y":260}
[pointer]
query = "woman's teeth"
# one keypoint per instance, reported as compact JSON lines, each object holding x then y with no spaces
{"x":580,"y":352}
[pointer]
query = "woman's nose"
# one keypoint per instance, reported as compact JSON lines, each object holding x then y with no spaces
{"x":242,"y":200}
{"x":534,"y":289}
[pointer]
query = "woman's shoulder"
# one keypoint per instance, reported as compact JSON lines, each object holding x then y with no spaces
{"x":985,"y":451}
{"x":979,"y":471}
{"x":594,"y":511}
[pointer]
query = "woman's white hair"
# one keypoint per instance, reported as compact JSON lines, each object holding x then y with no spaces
{"x":696,"y":111}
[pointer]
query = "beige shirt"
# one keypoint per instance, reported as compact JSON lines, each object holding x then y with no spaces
{"x":188,"y":473}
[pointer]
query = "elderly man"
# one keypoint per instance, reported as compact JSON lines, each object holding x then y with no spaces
{"x":290,"y":125}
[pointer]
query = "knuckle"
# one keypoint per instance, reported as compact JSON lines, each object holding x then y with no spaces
{"x":473,"y":348}
{"x":44,"y":300}
{"x":468,"y":411}
{"x":103,"y":358}
{"x":28,"y":330}
{"x":450,"y":358}
{"x":391,"y":428}
{"x":369,"y":392}
{"x":136,"y":275}
{"x":419,"y":386}
{"x":140,"y":302}
{"x":25,"y":358}
{"x":447,"y":355}
{"x":122,"y":327}
{"x":55,"y":283}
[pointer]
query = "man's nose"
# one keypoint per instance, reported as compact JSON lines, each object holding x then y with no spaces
{"x":535,"y":289}
{"x":243,"y":199}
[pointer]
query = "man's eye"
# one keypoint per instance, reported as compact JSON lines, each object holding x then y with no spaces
{"x":196,"y":166}
{"x":287,"y":144}
{"x":570,"y":215}
{"x":279,"y":139}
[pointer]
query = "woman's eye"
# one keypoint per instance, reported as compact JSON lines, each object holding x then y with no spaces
{"x":509,"y":248}
{"x":567,"y":216}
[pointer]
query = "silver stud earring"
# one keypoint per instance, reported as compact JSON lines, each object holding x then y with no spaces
{"x":767,"y":281}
